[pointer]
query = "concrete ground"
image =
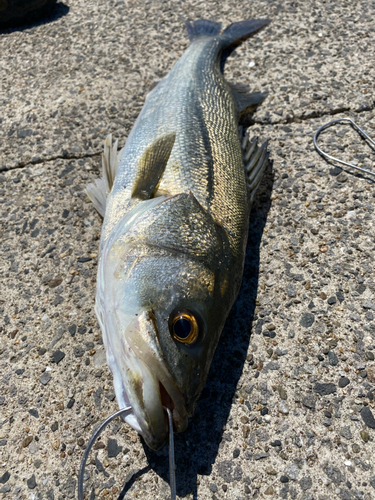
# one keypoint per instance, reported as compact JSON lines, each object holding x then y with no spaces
{"x":288,"y":410}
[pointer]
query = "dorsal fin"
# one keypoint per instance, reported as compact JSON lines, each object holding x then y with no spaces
{"x":151,"y":166}
{"x":100,"y":188}
{"x":247,"y":102}
{"x":255,"y":162}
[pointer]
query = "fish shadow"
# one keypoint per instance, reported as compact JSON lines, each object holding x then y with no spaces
{"x":36,"y":18}
{"x":196,"y":449}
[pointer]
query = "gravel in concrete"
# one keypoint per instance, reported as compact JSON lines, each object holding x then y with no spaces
{"x":288,"y":410}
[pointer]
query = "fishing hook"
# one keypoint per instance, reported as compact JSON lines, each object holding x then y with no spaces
{"x":356,"y":128}
{"x":123,"y":413}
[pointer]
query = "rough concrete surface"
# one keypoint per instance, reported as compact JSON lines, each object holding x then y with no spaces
{"x":288,"y":410}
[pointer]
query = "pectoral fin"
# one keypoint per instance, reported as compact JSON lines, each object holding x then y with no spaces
{"x":151,"y":166}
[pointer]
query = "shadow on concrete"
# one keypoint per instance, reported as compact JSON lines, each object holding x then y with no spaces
{"x":335,"y":171}
{"x":36,"y":18}
{"x":131,"y":481}
{"x":196,"y":449}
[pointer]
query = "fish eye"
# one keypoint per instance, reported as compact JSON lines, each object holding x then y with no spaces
{"x":184,"y":327}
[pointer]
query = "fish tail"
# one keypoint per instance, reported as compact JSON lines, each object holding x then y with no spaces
{"x":236,"y":33}
{"x":202,"y":27}
{"x":231,"y":37}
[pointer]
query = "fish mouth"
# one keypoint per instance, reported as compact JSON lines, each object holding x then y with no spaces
{"x":143,"y":381}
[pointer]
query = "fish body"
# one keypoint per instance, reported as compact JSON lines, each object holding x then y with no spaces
{"x":176,"y":211}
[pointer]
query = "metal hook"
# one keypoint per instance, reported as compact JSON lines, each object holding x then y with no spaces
{"x":124,"y":412}
{"x":357,"y":129}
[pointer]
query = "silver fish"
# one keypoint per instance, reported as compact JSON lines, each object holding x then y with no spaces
{"x":176,"y":212}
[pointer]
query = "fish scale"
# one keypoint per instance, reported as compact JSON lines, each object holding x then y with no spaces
{"x":205,"y":119}
{"x":207,"y":159}
{"x":174,"y":233}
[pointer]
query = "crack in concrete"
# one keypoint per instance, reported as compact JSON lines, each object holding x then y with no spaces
{"x":294,"y":119}
{"x":47,"y":160}
{"x":314,"y":114}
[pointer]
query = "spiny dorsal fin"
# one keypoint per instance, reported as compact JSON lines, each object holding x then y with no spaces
{"x":255,"y":162}
{"x":246,"y":102}
{"x":100,"y":188}
{"x":202,"y":27}
{"x":151,"y":166}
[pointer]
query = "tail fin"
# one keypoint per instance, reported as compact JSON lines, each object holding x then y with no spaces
{"x":236,"y":33}
{"x":232,"y":36}
{"x":202,"y":27}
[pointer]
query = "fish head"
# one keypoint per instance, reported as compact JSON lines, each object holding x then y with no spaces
{"x":162,"y":300}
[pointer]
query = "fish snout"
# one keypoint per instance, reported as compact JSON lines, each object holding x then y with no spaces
{"x":146,"y":383}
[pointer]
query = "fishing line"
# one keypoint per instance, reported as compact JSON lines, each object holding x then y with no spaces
{"x":172,"y":464}
{"x":356,"y":128}
{"x":123,"y":413}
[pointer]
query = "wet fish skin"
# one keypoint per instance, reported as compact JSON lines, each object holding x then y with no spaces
{"x":175,"y":231}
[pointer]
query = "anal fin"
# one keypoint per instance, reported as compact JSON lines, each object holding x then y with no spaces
{"x":255,"y":162}
{"x":100,"y":188}
{"x":151,"y":166}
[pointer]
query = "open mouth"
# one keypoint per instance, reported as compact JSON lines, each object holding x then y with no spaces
{"x":166,"y":400}
{"x":149,"y":416}
{"x":179,"y":421}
